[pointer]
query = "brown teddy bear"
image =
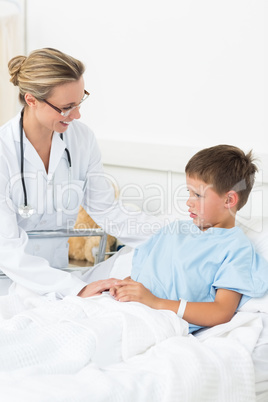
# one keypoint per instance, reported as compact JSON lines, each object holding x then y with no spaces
{"x":84,"y":248}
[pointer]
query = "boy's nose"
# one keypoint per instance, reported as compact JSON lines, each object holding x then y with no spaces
{"x":189,"y":202}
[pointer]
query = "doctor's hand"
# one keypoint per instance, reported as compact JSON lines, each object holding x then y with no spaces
{"x":96,"y":288}
{"x":130,"y":290}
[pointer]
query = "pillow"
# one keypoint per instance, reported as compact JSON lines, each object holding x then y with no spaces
{"x":256,"y":305}
{"x":257,"y":232}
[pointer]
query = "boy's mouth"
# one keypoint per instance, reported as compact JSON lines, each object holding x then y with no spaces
{"x":192,"y":215}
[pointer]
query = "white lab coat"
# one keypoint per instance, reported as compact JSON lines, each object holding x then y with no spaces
{"x":32,"y":263}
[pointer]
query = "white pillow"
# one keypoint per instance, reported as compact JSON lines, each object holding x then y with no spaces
{"x":257,"y":232}
{"x":256,"y":305}
{"x":258,"y":235}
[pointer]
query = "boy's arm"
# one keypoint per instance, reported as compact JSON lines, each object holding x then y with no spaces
{"x":205,"y":314}
{"x":208,"y":314}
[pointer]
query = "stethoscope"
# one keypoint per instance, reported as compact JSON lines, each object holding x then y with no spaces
{"x":26,"y":210}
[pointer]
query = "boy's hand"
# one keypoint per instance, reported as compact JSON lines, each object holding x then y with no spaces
{"x":130,"y":290}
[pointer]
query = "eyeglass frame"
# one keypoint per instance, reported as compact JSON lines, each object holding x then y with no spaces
{"x":65,"y":114}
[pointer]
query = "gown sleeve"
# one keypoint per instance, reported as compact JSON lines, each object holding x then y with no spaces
{"x":243,"y":271}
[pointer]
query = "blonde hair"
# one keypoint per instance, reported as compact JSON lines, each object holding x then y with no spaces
{"x":227,"y":168}
{"x":40,"y":72}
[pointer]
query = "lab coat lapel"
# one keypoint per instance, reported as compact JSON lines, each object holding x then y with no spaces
{"x":57,"y":149}
{"x":31,"y":155}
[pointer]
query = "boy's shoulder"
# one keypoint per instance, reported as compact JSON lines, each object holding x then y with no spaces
{"x":186,"y":227}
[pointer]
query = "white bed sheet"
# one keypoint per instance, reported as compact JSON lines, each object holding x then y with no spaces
{"x":98,"y":349}
{"x":260,"y":360}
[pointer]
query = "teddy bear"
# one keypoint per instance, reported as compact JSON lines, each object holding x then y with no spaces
{"x":85,"y":248}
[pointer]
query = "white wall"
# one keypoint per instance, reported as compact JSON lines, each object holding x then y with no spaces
{"x":164,"y":71}
{"x":11,"y":44}
{"x":172,"y":75}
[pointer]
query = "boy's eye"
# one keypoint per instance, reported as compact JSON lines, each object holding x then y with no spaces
{"x":67,"y":108}
{"x":193,"y":194}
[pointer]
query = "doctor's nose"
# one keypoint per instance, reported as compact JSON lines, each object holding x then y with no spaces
{"x":75,"y":113}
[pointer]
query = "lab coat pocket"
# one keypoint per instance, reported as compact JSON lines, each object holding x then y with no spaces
{"x":68,"y":196}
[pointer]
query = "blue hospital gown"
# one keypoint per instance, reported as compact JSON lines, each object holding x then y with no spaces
{"x":181,"y":261}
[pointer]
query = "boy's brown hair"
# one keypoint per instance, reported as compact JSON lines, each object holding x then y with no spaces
{"x":226,"y":168}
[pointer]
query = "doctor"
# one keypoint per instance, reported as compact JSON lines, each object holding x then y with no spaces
{"x":50,"y":165}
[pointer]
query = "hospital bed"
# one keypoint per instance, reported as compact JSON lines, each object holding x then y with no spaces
{"x":98,"y":349}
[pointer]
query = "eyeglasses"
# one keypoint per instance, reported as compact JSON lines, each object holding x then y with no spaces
{"x":86,"y":95}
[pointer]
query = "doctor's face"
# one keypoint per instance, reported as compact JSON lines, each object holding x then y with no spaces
{"x":63,"y":97}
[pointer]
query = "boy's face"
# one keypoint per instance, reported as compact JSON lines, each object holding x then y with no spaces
{"x":206,"y":207}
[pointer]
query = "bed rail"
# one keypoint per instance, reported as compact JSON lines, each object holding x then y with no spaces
{"x":39,"y":234}
{"x":52,"y":234}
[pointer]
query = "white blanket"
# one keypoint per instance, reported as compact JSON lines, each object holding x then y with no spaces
{"x":98,"y":349}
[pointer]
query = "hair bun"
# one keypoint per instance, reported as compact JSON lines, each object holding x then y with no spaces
{"x":14,"y":67}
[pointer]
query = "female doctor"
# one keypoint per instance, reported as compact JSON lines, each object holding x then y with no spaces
{"x":50,"y":165}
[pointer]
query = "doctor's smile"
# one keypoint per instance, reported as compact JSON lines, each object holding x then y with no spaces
{"x":66,"y":123}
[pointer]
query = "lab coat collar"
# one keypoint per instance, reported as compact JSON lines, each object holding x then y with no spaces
{"x":57,"y":149}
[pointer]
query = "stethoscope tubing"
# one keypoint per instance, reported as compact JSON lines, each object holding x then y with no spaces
{"x":22,"y":159}
{"x":26,"y":210}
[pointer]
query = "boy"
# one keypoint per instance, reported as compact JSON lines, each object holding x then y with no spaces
{"x":208,"y":261}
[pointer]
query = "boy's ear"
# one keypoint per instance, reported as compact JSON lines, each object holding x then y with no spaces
{"x":30,"y":99}
{"x":231,"y":199}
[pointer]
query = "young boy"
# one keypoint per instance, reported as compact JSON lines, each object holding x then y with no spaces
{"x":208,"y":261}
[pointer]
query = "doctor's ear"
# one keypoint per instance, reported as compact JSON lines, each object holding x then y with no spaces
{"x":30,"y":99}
{"x":231,"y":199}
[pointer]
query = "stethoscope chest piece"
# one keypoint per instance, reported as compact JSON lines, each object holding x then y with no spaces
{"x":25,"y":211}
